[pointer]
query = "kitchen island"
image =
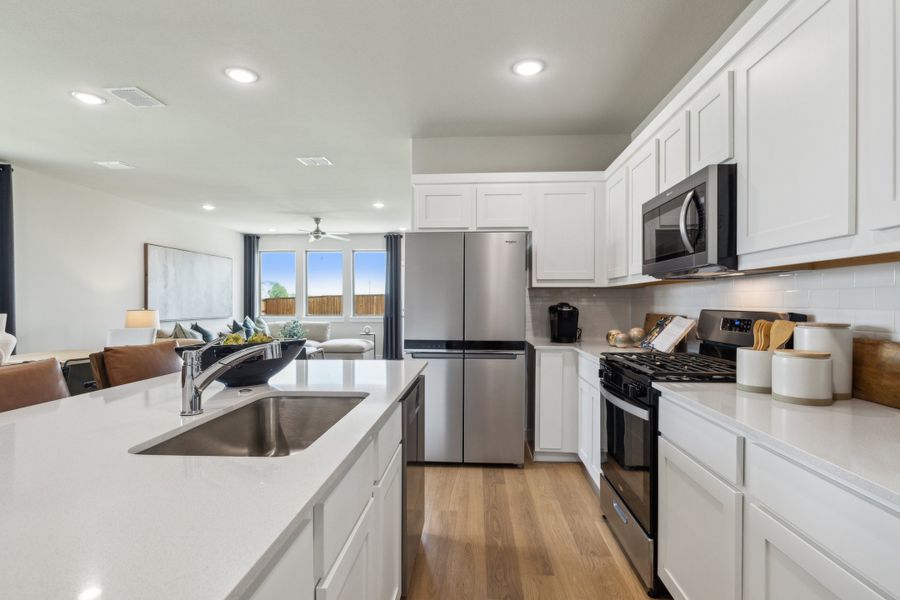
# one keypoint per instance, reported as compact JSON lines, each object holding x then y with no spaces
{"x":82,"y":517}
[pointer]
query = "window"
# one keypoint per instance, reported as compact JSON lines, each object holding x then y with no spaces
{"x":368,"y":283}
{"x":277,"y":283}
{"x":324,"y":284}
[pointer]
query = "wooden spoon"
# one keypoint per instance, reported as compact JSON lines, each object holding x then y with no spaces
{"x":766,"y":332}
{"x":781,"y":333}
{"x":757,"y":334}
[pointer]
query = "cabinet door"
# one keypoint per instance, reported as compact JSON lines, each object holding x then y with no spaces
{"x":617,"y":223}
{"x":352,"y":577}
{"x":389,"y":529}
{"x":444,"y":206}
{"x":795,"y":126}
{"x":711,"y":120}
{"x":781,"y":565}
{"x":598,"y":434}
{"x":644,"y":186}
{"x":585,"y":422}
{"x":502,"y":205}
{"x":293,"y":575}
{"x":673,"y":151}
{"x":879,"y":114}
{"x":563,"y":244}
{"x":557,"y":401}
{"x":699,"y":530}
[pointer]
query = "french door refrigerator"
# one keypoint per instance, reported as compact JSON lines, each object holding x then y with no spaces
{"x":464,"y":312}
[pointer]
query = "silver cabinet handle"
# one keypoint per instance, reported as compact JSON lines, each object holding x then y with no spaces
{"x":682,"y":222}
{"x":620,"y":512}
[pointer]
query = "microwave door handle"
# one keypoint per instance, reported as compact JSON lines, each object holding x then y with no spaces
{"x":682,"y":222}
{"x":628,"y":407}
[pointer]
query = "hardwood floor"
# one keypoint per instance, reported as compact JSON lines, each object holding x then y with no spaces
{"x":506,"y":533}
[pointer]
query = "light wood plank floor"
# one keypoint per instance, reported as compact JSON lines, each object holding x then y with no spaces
{"x":506,"y":533}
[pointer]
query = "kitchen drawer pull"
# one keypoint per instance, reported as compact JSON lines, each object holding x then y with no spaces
{"x":620,"y":512}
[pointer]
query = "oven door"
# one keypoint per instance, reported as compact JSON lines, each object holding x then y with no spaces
{"x":675,"y":235}
{"x":629,"y":454}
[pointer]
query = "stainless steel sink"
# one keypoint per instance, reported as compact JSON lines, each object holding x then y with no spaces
{"x":273,"y":426}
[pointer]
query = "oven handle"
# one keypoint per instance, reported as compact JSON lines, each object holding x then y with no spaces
{"x":682,"y":222}
{"x":628,"y":407}
{"x":620,"y":512}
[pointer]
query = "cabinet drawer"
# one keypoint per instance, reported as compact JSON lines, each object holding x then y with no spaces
{"x":335,"y":517}
{"x":718,"y":449}
{"x":859,"y":532}
{"x":386,"y":442}
{"x":589,"y":370}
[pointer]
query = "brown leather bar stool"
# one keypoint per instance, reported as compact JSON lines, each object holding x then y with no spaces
{"x":31,"y":383}
{"x":119,"y":365}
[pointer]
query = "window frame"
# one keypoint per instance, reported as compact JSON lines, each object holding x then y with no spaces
{"x":353,"y":314}
{"x":259,"y":282}
{"x":305,"y":312}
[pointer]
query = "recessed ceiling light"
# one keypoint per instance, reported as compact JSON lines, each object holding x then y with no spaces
{"x":241,"y":75}
{"x":91,"y":593}
{"x":401,"y":229}
{"x":208,"y":207}
{"x":315,"y":161}
{"x":378,"y":204}
{"x":272,"y":230}
{"x":528,"y":67}
{"x":115,"y":165}
{"x":88,"y":98}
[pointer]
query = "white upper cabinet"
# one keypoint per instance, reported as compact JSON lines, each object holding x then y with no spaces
{"x":502,"y":205}
{"x":795,"y":126}
{"x":879,"y":114}
{"x":617,"y":209}
{"x":564,"y":226}
{"x":444,"y":206}
{"x":711,"y":121}
{"x":673,"y":150}
{"x":644,"y":186}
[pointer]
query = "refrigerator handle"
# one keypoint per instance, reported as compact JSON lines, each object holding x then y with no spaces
{"x":495,"y":355}
{"x":436,"y":355}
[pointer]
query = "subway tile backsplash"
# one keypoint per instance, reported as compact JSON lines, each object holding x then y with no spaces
{"x":599,"y":310}
{"x":867,"y":297}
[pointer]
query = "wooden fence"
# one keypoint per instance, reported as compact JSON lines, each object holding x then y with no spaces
{"x":368,"y":305}
{"x":325,"y":306}
{"x":279,"y":306}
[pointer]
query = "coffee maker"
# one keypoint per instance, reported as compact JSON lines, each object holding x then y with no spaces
{"x":564,"y":323}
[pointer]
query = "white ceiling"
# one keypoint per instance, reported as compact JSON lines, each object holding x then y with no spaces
{"x":351,"y":80}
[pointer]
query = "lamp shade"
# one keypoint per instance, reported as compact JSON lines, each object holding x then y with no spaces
{"x":142,"y":317}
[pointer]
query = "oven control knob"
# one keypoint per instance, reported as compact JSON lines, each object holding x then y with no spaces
{"x":634,"y":390}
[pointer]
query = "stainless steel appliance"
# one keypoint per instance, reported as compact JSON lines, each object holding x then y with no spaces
{"x":563,"y":323}
{"x":413,"y":478}
{"x":690,"y":230}
{"x":464,"y":313}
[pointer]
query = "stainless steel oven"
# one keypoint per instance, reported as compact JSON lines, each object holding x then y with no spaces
{"x":689,"y":231}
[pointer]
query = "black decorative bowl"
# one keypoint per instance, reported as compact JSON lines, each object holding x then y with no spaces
{"x":253,"y":371}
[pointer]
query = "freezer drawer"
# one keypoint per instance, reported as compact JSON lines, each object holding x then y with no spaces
{"x":443,"y":405}
{"x":495,"y":394}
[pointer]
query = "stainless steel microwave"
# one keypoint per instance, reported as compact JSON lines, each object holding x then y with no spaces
{"x":689,"y":231}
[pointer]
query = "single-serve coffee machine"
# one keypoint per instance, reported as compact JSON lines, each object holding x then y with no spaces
{"x":564,"y":323}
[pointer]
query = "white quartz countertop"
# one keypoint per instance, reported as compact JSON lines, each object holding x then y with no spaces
{"x":854,"y":441}
{"x":590,"y":348}
{"x":78,"y":512}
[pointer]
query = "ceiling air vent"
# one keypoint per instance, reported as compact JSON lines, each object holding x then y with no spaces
{"x":135,"y":97}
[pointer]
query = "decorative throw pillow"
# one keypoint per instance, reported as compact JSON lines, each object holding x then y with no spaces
{"x":180,"y":333}
{"x":251,"y":326}
{"x":236,"y":327}
{"x":205,"y":333}
{"x":262,"y":326}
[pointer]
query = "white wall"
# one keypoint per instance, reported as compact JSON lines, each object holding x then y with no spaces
{"x":866,"y":297}
{"x":80,"y":259}
{"x":516,"y":153}
{"x":341,"y":327}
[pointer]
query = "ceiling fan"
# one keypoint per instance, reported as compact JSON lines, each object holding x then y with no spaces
{"x":317,"y":234}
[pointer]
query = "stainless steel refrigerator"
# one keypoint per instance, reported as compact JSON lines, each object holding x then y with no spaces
{"x":464,"y":312}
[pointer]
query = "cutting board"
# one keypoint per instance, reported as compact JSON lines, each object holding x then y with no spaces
{"x":876,"y":371}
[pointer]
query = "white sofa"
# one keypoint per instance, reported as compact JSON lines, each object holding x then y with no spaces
{"x":318,"y":335}
{"x":7,"y":341}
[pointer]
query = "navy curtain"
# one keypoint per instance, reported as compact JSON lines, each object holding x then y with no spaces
{"x":393,"y":334}
{"x":7,"y":259}
{"x":251,"y":252}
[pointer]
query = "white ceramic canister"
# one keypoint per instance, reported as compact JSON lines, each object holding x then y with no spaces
{"x":837,"y":340}
{"x":754,"y":370}
{"x":802,"y":377}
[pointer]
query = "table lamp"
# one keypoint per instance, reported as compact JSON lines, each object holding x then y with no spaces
{"x":142,"y":317}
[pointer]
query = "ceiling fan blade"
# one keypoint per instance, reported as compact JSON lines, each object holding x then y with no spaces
{"x":304,"y":231}
{"x":338,"y":233}
{"x":335,"y":236}
{"x":313,"y":239}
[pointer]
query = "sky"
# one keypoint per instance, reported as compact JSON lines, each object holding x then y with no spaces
{"x":324,"y":272}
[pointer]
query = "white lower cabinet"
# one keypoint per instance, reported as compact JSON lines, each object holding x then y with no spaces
{"x":585,"y":420}
{"x":590,"y":423}
{"x":352,"y":576}
{"x":293,"y":575}
{"x":388,"y":501}
{"x":781,"y":565}
{"x":556,"y":402}
{"x":699,"y":530}
{"x":598,"y":434}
